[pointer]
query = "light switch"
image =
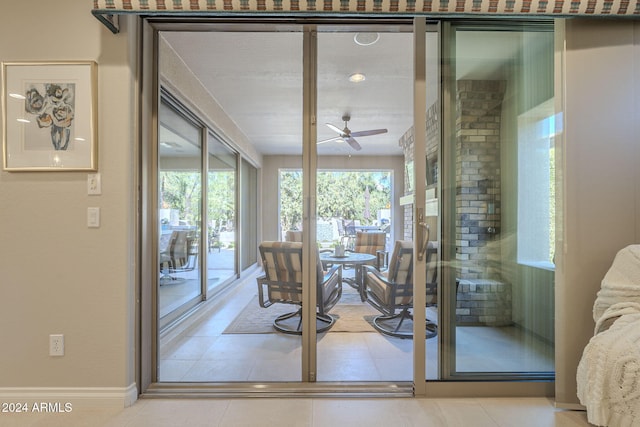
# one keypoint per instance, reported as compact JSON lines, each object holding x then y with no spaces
{"x":93,"y":217}
{"x":94,"y":184}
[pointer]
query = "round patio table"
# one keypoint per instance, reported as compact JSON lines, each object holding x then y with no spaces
{"x":351,"y":258}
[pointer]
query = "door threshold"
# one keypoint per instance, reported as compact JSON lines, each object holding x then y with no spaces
{"x":289,"y":390}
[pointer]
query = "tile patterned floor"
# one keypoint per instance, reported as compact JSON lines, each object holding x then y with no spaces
{"x":320,"y":412}
{"x":204,"y":353}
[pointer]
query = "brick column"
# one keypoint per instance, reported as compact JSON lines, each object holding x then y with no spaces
{"x":479,"y":106}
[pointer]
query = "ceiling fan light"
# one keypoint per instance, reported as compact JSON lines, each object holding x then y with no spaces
{"x":357,"y":78}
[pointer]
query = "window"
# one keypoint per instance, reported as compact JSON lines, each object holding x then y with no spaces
{"x":363,"y":197}
{"x":536,"y":186}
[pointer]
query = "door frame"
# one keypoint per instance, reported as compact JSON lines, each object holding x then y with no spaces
{"x":147,"y":341}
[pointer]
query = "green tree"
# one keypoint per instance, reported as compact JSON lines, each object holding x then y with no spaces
{"x":340,"y":194}
{"x":181,"y":191}
{"x":290,"y":199}
{"x":221,"y":197}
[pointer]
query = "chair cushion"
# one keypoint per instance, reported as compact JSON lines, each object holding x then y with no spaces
{"x":275,"y":264}
{"x":370,"y":243}
{"x":379,"y":288}
{"x":401,"y":261}
{"x":275,"y":256}
{"x":382,"y":290}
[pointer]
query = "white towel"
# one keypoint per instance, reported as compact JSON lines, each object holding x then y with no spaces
{"x":608,"y":374}
{"x":621,"y":283}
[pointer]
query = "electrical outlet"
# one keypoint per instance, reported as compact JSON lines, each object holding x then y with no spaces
{"x":56,"y":345}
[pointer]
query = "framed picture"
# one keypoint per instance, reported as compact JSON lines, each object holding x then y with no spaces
{"x":49,"y":116}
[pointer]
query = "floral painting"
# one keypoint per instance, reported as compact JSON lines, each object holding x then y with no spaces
{"x":53,"y":106}
{"x":50,"y":115}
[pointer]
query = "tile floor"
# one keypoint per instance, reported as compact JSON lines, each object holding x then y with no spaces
{"x":204,"y":353}
{"x":324,"y":412}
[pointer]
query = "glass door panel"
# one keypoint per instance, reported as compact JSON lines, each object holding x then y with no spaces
{"x":248,"y":214}
{"x":243,"y":68}
{"x":221,"y":214}
{"x":179,"y":212}
{"x":432,"y":142}
{"x":236,"y":341}
{"x":364,"y":98}
{"x":500,"y":189}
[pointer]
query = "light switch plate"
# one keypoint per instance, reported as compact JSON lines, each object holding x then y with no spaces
{"x":94,"y":184}
{"x":93,"y":217}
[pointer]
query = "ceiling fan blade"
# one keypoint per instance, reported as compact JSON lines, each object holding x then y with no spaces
{"x":335,"y":129}
{"x":353,"y":143}
{"x":369,"y":132}
{"x":336,"y":138}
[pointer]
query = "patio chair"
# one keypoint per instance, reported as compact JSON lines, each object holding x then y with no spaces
{"x":282,"y":284}
{"x":372,"y":243}
{"x":214,"y":240}
{"x":180,"y":255}
{"x":348,"y":234}
{"x":391,"y":292}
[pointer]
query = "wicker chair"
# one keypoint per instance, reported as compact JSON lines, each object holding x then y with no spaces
{"x":282,"y":283}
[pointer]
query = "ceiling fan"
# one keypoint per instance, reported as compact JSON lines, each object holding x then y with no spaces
{"x":349,"y":137}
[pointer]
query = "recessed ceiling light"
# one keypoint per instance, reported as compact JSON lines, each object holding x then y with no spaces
{"x":170,"y":144}
{"x":366,"y":39}
{"x":357,"y":78}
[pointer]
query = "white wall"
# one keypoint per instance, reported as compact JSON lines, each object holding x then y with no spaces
{"x":57,"y":275}
{"x":601,"y":177}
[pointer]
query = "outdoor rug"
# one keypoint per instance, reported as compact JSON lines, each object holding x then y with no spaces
{"x":352,"y":315}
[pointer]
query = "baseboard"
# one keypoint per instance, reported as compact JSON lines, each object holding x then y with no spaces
{"x":570,"y":406}
{"x":60,"y":399}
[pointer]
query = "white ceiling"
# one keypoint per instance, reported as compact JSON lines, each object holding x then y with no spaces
{"x":257,"y":79}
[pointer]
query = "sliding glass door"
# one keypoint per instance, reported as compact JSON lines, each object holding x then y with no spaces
{"x":222,"y":214}
{"x":223,"y":79}
{"x":248,"y":214}
{"x":179,"y":213}
{"x":285,"y":147}
{"x":499,"y":202}
{"x":364,"y":111}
